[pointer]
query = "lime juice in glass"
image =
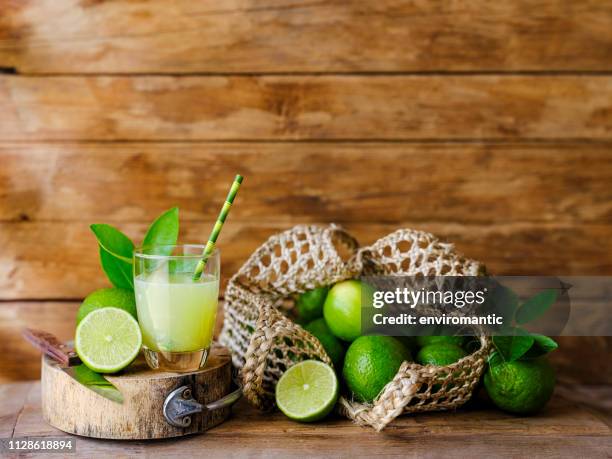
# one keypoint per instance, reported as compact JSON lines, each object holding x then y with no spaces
{"x":176,"y":310}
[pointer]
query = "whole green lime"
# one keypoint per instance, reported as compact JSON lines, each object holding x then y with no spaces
{"x":108,"y":297}
{"x":423,"y":341}
{"x":522,"y":386}
{"x":333,"y":346}
{"x":310,"y":304}
{"x":370,"y":363}
{"x":440,"y":354}
{"x":342,"y":310}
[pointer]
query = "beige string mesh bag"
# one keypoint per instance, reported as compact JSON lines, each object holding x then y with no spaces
{"x":265,"y":342}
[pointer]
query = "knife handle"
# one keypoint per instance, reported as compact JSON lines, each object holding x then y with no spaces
{"x":51,"y":346}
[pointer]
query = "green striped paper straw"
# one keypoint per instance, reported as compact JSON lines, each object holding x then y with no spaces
{"x":210,"y":245}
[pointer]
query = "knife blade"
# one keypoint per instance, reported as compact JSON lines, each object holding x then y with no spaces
{"x":70,"y":363}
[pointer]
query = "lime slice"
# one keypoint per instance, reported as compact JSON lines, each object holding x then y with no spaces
{"x":108,"y":339}
{"x":307,"y":391}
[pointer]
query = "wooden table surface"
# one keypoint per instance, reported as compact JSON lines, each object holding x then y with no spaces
{"x":577,"y":423}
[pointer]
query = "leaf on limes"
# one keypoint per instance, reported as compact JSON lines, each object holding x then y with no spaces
{"x":119,"y":272}
{"x":541,"y":345}
{"x":513,"y":347}
{"x":163,"y":231}
{"x":113,"y":241}
{"x":88,"y":377}
{"x":536,"y":306}
{"x":116,"y":250}
{"x":97,"y":383}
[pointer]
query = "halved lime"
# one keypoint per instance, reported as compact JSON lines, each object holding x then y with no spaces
{"x":307,"y":391}
{"x":108,"y":339}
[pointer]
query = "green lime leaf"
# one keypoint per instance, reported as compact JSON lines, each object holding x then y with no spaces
{"x":97,"y":383}
{"x":513,"y":347}
{"x":89,"y":377}
{"x":113,"y":241}
{"x":536,"y":306}
{"x":542,"y":345}
{"x":163,"y":231}
{"x":118,"y":271}
{"x":115,"y":255}
{"x":546,"y":343}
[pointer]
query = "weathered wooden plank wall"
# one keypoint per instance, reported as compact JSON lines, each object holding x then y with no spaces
{"x":244,"y":36}
{"x":302,"y":107}
{"x":489,"y":124}
{"x":497,"y":202}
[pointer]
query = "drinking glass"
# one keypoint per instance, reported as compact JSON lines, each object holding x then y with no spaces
{"x":176,"y":311}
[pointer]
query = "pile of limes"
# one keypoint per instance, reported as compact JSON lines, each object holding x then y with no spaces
{"x":366,"y":364}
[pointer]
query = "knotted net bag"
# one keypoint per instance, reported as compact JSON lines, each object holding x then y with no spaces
{"x":265,"y":341}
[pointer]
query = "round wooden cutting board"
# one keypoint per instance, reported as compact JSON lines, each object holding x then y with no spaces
{"x":73,"y":408}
